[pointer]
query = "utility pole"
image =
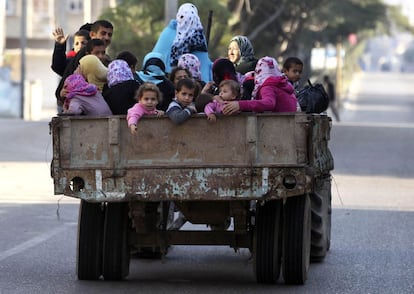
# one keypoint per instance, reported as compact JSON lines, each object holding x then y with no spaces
{"x":23,"y":44}
{"x":338,"y":81}
{"x":2,"y":30}
{"x":170,"y":10}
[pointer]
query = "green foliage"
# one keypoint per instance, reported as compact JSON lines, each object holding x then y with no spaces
{"x":137,"y":25}
{"x":279,"y":28}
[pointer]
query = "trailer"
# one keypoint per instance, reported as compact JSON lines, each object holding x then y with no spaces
{"x":257,"y":181}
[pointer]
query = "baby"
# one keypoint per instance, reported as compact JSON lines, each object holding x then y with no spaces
{"x":229,"y":90}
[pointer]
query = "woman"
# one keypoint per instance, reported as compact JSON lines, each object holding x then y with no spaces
{"x":240,"y":52}
{"x":122,"y":87}
{"x":272,"y":91}
{"x":153,"y":71}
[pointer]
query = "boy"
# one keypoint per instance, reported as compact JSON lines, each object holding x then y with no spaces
{"x":97,"y":47}
{"x":101,"y":29}
{"x":182,"y":107}
{"x":60,"y":59}
{"x":292,"y":68}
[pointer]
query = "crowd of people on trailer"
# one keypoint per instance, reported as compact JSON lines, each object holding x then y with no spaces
{"x":177,"y":77}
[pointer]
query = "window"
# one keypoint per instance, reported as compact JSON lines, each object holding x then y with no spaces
{"x":75,"y":6}
{"x":10,"y":7}
{"x":41,"y":8}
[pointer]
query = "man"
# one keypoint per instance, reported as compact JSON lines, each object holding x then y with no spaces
{"x":330,"y":89}
{"x":100,"y":29}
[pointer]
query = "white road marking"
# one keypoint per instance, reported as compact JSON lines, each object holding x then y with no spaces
{"x":34,"y":241}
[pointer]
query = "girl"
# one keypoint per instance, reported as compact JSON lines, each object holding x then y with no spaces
{"x":83,"y":98}
{"x":148,"y":96}
{"x":272,"y":91}
{"x":229,"y":91}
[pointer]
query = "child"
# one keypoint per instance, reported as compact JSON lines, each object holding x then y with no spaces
{"x":229,"y":90}
{"x":60,"y":58}
{"x":80,"y":39}
{"x":292,"y":68}
{"x":83,"y":98}
{"x":97,"y":47}
{"x":148,"y":96}
{"x":182,"y":107}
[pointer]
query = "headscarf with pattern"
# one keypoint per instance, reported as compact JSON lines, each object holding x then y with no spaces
{"x":118,"y":72}
{"x":75,"y":84}
{"x":266,"y":67}
{"x":192,"y":63}
{"x":93,"y":70}
{"x":190,"y":35}
{"x":245,"y":47}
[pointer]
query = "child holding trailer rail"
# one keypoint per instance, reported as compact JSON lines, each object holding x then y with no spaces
{"x":148,"y":96}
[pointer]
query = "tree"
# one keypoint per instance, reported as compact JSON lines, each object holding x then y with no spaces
{"x":137,"y":24}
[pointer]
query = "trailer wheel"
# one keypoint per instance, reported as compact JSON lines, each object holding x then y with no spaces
{"x":267,"y":242}
{"x":90,"y":236}
{"x":115,"y":246}
{"x":321,"y":219}
{"x":296,"y":239}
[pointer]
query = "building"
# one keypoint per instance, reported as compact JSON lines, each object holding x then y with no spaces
{"x":42,"y":17}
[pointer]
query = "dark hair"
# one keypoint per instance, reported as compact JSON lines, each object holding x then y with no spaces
{"x":188,"y":83}
{"x":87,"y":26}
{"x":154,"y":61}
{"x":148,"y":86}
{"x":92,"y":43}
{"x":101,"y":23}
{"x":129,"y":57}
{"x":177,"y":69}
{"x":290,"y":61}
{"x":82,"y":33}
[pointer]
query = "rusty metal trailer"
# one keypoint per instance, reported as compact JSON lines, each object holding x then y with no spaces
{"x":258,"y":181}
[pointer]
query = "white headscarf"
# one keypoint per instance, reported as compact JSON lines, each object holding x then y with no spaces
{"x":190,"y":36}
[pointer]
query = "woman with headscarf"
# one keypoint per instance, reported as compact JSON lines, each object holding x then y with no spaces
{"x":192,"y":63}
{"x":93,"y":70}
{"x":182,"y":35}
{"x":83,"y":98}
{"x":272,"y":91}
{"x":240,"y":52}
{"x":122,"y":87}
{"x":153,"y":70}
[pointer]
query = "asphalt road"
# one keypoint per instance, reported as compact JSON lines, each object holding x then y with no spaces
{"x":372,"y":248}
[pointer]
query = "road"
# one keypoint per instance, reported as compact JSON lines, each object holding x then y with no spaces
{"x":372,"y":248}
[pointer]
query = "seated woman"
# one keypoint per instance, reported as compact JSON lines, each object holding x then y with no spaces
{"x":122,"y":87}
{"x":153,"y":71}
{"x":240,"y":52}
{"x":272,"y":91}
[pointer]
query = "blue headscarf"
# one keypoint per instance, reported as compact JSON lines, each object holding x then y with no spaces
{"x":153,"y":68}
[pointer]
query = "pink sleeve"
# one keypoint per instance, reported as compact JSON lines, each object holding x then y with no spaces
{"x":134,"y":114}
{"x":210,"y":108}
{"x":266,"y":103}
